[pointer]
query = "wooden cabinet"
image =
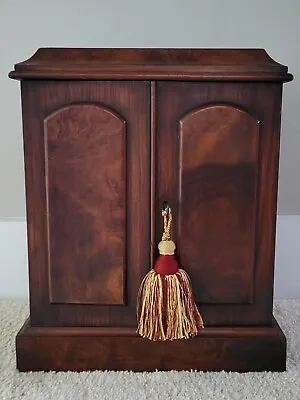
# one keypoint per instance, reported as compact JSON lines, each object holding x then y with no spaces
{"x":109,"y":134}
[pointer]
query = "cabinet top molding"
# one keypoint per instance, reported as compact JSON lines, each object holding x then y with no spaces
{"x":151,"y":63}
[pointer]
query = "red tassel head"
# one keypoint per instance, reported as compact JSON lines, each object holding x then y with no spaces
{"x":166,"y":265}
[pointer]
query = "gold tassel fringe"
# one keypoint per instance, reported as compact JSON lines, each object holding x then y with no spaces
{"x":166,"y":308}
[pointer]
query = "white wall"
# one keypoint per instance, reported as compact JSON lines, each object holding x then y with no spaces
{"x":26,"y":25}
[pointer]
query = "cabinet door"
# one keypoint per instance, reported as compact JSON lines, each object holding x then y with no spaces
{"x":216,"y":164}
{"x":87,"y":159}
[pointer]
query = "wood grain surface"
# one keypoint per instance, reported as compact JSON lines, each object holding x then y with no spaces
{"x":85,"y":149}
{"x":217,"y":151}
{"x":218,"y":170}
{"x":140,"y":64}
{"x":88,"y":199}
{"x":216,"y":349}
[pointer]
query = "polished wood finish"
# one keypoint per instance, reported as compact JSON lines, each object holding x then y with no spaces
{"x":109,"y":134}
{"x":216,"y":349}
{"x":217,"y":164}
{"x":140,"y":64}
{"x":218,"y":157}
{"x":88,"y":202}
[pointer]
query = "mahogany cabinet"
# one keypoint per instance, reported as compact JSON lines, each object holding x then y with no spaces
{"x":109,"y":134}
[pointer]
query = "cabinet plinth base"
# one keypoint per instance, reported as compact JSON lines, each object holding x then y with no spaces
{"x":240,"y":349}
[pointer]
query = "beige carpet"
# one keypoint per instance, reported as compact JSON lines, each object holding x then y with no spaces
{"x":154,"y":386}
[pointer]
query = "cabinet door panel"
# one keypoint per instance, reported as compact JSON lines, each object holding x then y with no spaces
{"x":87,"y":164}
{"x":216,"y":164}
{"x":218,"y":149}
{"x":85,"y":178}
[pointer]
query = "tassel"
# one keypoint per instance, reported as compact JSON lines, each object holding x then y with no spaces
{"x":166,"y":309}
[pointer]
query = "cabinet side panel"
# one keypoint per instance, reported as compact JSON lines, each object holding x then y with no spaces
{"x":85,"y":178}
{"x":218,"y":153}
